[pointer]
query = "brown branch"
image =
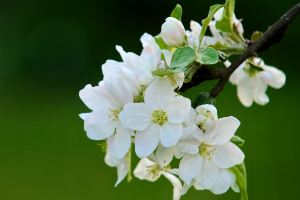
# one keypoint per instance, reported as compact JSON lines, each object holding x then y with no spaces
{"x":271,"y":36}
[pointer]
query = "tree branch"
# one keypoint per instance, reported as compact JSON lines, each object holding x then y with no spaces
{"x":271,"y":36}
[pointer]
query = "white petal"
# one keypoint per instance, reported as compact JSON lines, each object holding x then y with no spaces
{"x":195,"y":27}
{"x":119,"y":88}
{"x":108,"y":160}
{"x":223,"y":182}
{"x":170,"y":134}
{"x":273,"y":76}
{"x":208,"y":175}
{"x":246,"y":87}
{"x":178,"y":109}
{"x":158,"y":93}
{"x":210,"y":108}
{"x":141,"y":170}
{"x":228,"y":155}
{"x":186,"y":187}
{"x":198,"y":186}
{"x":147,"y":140}
{"x":191,"y":119}
{"x":233,"y":183}
{"x":94,"y":97}
{"x":111,"y":148}
{"x":190,"y":167}
{"x":168,"y":56}
{"x":122,"y":141}
{"x":164,"y":155}
{"x":173,"y":179}
{"x":138,"y":115}
{"x":190,"y":140}
{"x":222,"y":130}
{"x":98,"y":125}
{"x":83,"y":115}
{"x":176,"y":193}
{"x":122,"y":171}
{"x":260,"y":96}
{"x":179,"y":78}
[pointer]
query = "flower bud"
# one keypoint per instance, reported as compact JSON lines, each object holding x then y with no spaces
{"x":173,"y":32}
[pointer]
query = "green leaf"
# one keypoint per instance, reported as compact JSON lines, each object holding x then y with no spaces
{"x":237,"y":140}
{"x":161,"y":43}
{"x":203,"y":98}
{"x":225,"y":24}
{"x":256,"y":35}
{"x":208,"y":56}
{"x":181,"y":58}
{"x":241,"y":177}
{"x":177,"y":12}
{"x":212,"y":10}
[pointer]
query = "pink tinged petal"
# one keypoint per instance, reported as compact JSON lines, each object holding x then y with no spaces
{"x":158,"y":93}
{"x":228,"y":155}
{"x":170,"y":134}
{"x":233,"y":183}
{"x":223,"y":182}
{"x":164,"y":155}
{"x":94,"y":97}
{"x":178,"y":109}
{"x":119,"y":89}
{"x":146,"y":141}
{"x":122,"y":141}
{"x":190,"y":167}
{"x":208,"y":175}
{"x":273,"y":77}
{"x":141,"y":170}
{"x":222,"y":130}
{"x":138,"y":116}
{"x":168,"y":56}
{"x":122,"y":171}
{"x":98,"y":125}
{"x":173,"y":179}
{"x":190,"y":140}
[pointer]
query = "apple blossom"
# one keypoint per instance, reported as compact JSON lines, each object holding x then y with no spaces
{"x":173,"y":32}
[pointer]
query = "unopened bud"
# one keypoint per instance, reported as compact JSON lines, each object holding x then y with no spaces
{"x":173,"y":32}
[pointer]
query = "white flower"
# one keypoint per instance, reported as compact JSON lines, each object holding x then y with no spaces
{"x":173,"y":32}
{"x":208,"y":152}
{"x":107,"y":103}
{"x":159,"y":119}
{"x":206,"y":114}
{"x":121,"y":164}
{"x":252,"y":84}
{"x":151,"y":169}
{"x":226,"y":179}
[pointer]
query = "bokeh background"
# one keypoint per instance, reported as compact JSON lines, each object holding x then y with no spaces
{"x":49,"y":50}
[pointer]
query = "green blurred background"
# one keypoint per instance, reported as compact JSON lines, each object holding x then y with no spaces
{"x":49,"y":50}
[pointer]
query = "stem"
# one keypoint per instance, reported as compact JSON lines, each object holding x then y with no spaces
{"x":128,"y":158}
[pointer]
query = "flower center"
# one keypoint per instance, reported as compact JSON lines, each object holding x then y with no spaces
{"x":206,"y":150}
{"x":114,"y":114}
{"x":154,"y":170}
{"x":159,"y":117}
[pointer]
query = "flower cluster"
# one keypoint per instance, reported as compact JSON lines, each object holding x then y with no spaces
{"x":138,"y":104}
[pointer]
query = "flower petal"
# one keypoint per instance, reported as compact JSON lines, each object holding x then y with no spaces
{"x":208,"y":175}
{"x":122,"y":171}
{"x":94,"y":97}
{"x":147,"y":140}
{"x":228,"y":155}
{"x":164,"y":155}
{"x":108,"y":160}
{"x":98,"y":125}
{"x":138,"y":116}
{"x":233,"y":183}
{"x":260,"y":96}
{"x":210,"y":108}
{"x":168,"y":56}
{"x":222,"y":130}
{"x":173,"y":179}
{"x":170,"y":134}
{"x":190,"y":167}
{"x":141,"y":170}
{"x":190,"y":140}
{"x":223,"y":182}
{"x":273,"y":76}
{"x":178,"y":109}
{"x":158,"y":93}
{"x":122,"y":141}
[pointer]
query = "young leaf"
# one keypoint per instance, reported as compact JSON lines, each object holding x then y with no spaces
{"x":225,"y":24}
{"x":208,"y":56}
{"x":161,"y":43}
{"x":241,"y":177}
{"x":237,"y":140}
{"x":162,"y":73}
{"x":256,"y":35}
{"x":212,"y":10}
{"x":181,"y":58}
{"x":203,"y":98}
{"x":177,"y":12}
